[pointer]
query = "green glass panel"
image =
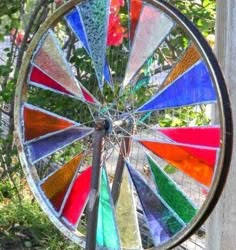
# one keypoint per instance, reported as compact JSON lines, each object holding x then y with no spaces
{"x":126,"y":212}
{"x":107,"y":233}
{"x":171,"y":193}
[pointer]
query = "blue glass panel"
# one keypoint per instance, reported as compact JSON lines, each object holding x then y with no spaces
{"x":46,"y":146}
{"x":107,"y":234}
{"x":193,"y":87}
{"x":94,"y":15}
{"x":163,"y":223}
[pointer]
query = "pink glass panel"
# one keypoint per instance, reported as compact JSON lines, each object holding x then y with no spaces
{"x":204,"y":136}
{"x":152,"y":28}
{"x":37,"y":76}
{"x":51,"y":59}
{"x":78,"y":197}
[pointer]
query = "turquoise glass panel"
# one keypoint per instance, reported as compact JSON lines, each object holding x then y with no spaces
{"x":94,"y":15}
{"x":107,"y":233}
{"x":75,"y":23}
{"x":171,"y":193}
{"x":163,"y":223}
{"x":193,"y":87}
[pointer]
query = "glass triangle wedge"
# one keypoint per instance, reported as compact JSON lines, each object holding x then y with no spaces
{"x":162,"y":221}
{"x":39,"y":79}
{"x":208,"y":136}
{"x":190,"y":57}
{"x":51,"y":60}
{"x":135,"y":11}
{"x":107,"y":233}
{"x":55,"y":186}
{"x":39,"y":122}
{"x":126,"y":211}
{"x":188,"y":159}
{"x":94,"y":15}
{"x":154,"y":26}
{"x":75,"y":23}
{"x":192,"y":88}
{"x":44,"y":147}
{"x":171,"y":193}
{"x":77,"y":198}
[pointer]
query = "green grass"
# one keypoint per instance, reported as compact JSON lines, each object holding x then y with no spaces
{"x":26,"y":227}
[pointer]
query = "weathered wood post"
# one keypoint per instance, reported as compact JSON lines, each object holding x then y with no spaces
{"x":221,"y":226}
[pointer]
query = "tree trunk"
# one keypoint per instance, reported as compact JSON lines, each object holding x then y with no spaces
{"x":221,"y":233}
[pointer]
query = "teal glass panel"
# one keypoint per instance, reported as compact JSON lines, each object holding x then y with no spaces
{"x":107,"y":233}
{"x":94,"y":15}
{"x":171,"y":193}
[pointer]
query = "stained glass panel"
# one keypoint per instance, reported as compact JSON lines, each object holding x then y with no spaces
{"x":38,"y":122}
{"x":126,"y":212}
{"x":204,"y":136}
{"x":190,"y":57}
{"x":107,"y":234}
{"x":57,"y":184}
{"x":40,"y":79}
{"x":163,"y":223}
{"x":171,"y":193}
{"x":78,"y":197}
{"x":184,"y":160}
{"x":46,"y":146}
{"x":150,"y":19}
{"x":135,"y":11}
{"x":94,"y":15}
{"x":50,"y":59}
{"x":193,"y":87}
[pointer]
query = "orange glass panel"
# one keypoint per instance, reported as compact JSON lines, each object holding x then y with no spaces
{"x":190,"y":57}
{"x":135,"y":10}
{"x":183,"y":160}
{"x":38,"y":123}
{"x":56,"y":185}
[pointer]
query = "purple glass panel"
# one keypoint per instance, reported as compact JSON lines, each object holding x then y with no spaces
{"x":163,"y":223}
{"x":47,"y":146}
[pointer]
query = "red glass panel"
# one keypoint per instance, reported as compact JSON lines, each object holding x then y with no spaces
{"x":87,"y":96}
{"x":135,"y":10}
{"x":78,"y":197}
{"x":37,"y":76}
{"x":184,"y":160}
{"x":38,"y":123}
{"x":204,"y":136}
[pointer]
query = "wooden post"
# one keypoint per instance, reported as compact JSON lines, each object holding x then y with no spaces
{"x":221,"y":226}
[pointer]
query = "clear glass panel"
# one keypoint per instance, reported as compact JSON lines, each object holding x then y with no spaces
{"x":135,"y":10}
{"x":126,"y":212}
{"x":78,"y":197}
{"x":171,"y":193}
{"x":150,"y":19}
{"x":162,"y":222}
{"x":38,"y":122}
{"x":193,"y":87}
{"x":57,"y":184}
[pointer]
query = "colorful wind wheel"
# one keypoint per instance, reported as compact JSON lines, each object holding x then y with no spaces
{"x":146,"y":154}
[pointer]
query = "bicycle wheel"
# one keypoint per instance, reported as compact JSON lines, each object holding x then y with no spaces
{"x":160,"y":94}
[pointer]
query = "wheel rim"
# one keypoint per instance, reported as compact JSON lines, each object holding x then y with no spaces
{"x":43,"y":130}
